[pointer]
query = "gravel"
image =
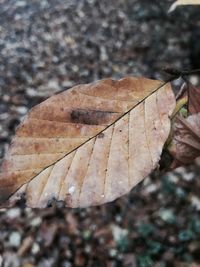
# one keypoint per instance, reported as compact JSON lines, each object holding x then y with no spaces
{"x":49,"y":46}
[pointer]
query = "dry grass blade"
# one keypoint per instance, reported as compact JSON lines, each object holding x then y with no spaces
{"x":88,"y":145}
{"x":183,"y":2}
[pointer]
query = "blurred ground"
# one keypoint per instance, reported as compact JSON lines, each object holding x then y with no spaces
{"x":49,"y":46}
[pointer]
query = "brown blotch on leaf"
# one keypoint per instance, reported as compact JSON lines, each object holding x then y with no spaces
{"x":68,"y":200}
{"x":91,"y":117}
{"x":101,"y":135}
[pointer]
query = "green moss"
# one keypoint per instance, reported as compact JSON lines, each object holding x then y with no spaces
{"x":144,"y":261}
{"x":186,"y":235}
{"x":145,"y":229}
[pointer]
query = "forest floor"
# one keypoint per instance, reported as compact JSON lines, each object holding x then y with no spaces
{"x":49,"y":46}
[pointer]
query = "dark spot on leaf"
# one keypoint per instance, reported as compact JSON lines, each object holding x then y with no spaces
{"x":101,"y":135}
{"x":22,"y":201}
{"x":36,"y":147}
{"x":51,"y":202}
{"x":91,"y":117}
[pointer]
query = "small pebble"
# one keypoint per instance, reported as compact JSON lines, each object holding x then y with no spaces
{"x":22,"y":110}
{"x":35,"y":248}
{"x":13,"y":213}
{"x":113,"y":253}
{"x":15,"y":239}
{"x":36,"y":222}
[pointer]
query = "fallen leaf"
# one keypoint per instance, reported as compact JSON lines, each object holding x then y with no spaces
{"x":25,"y":246}
{"x":183,"y":264}
{"x":193,"y":99}
{"x":28,"y":265}
{"x":48,"y":233}
{"x":71,"y":223}
{"x":185,"y":146}
{"x":88,"y":145}
{"x":183,"y":2}
{"x":129,"y":260}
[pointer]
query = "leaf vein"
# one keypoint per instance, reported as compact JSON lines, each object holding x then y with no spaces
{"x":81,"y":185}
{"x":106,"y":169}
{"x":145,"y":132}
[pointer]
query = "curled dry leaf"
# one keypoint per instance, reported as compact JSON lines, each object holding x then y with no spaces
{"x":183,"y":2}
{"x":88,"y":145}
{"x":194,"y":99}
{"x":185,"y":146}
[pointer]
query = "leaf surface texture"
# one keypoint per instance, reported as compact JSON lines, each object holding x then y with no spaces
{"x":88,"y":145}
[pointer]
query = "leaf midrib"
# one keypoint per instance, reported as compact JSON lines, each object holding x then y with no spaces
{"x":120,"y":117}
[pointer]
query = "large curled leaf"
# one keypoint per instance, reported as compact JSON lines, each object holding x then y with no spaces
{"x":194,"y":99}
{"x":183,"y":2}
{"x":88,"y":145}
{"x":185,"y":147}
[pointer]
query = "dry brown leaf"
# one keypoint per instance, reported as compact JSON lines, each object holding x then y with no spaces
{"x":185,"y":146}
{"x":193,"y":99}
{"x":183,"y":264}
{"x":183,"y":2}
{"x":88,"y":145}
